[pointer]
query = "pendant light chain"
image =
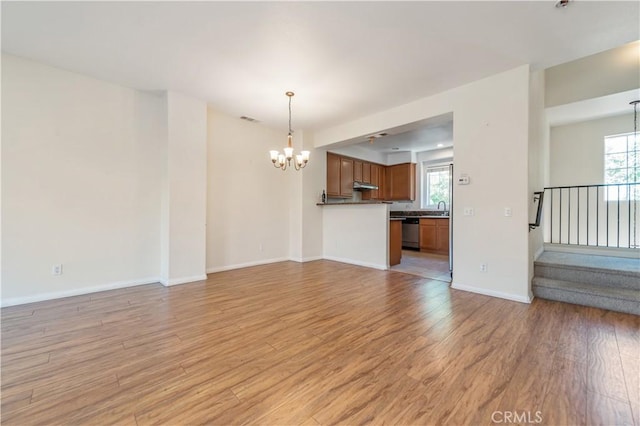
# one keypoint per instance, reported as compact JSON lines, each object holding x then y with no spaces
{"x":290,"y":114}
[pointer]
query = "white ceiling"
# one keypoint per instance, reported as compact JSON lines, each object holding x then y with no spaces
{"x":344,"y":60}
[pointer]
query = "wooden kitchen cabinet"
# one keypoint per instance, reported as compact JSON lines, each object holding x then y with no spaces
{"x":339,"y":176}
{"x":434,"y":236}
{"x":401,"y":182}
{"x":366,"y":172}
{"x":333,"y":175}
{"x":442,"y":236}
{"x":376,"y":173}
{"x":346,"y":177}
{"x":357,"y":171}
{"x":395,"y":242}
{"x":343,"y":171}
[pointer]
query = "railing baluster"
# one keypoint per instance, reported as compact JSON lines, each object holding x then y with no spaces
{"x":560,"y":219}
{"x":569,"y":216}
{"x":606,"y":201}
{"x":551,"y":218}
{"x":629,"y":215}
{"x":578,"y":220}
{"x":597,"y":216}
{"x":618,"y":229}
{"x":588,"y":208}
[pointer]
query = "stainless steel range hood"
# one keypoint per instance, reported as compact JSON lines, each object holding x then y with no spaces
{"x":363,"y":186}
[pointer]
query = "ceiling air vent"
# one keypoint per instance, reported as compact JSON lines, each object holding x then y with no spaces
{"x":250,"y":119}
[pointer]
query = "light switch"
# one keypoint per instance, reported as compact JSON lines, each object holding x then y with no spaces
{"x":463,"y":180}
{"x":468,"y":211}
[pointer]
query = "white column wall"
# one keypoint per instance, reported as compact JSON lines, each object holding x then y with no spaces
{"x":184,"y":192}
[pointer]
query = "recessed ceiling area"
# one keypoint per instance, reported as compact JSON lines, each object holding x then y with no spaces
{"x":344,"y":60}
{"x":424,"y":135}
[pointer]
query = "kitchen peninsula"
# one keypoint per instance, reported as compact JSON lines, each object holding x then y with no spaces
{"x":357,"y":228}
{"x":356,"y":233}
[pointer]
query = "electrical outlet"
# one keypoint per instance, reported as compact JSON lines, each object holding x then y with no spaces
{"x":56,"y":270}
{"x":508,"y":212}
{"x":483,"y":267}
{"x":260,"y":247}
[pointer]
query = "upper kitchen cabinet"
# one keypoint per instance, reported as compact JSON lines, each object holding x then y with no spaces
{"x":401,"y":182}
{"x":357,"y":171}
{"x":361,"y":171}
{"x":346,"y":177}
{"x":366,"y":172}
{"x":376,"y":177}
{"x":333,"y":175}
{"x":339,"y":176}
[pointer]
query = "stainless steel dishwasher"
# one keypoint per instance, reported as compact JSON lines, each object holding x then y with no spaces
{"x":411,"y":233}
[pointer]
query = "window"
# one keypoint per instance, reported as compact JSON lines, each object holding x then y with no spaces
{"x":435,"y":186}
{"x":621,"y":165}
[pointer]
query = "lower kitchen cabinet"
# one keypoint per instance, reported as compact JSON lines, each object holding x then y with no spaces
{"x":434,"y":236}
{"x":395,"y":242}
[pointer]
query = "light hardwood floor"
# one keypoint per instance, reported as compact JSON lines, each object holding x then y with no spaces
{"x":316,"y":343}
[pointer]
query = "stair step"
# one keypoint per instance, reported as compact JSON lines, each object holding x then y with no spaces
{"x":615,"y":299}
{"x":617,"y":272}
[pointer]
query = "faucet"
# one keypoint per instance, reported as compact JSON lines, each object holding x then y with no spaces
{"x":445,"y":205}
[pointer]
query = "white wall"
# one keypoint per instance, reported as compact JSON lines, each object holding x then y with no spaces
{"x":80,"y":183}
{"x":247,"y":198}
{"x":357,"y":234}
{"x":577,"y":150}
{"x":491,"y":126}
{"x":184,"y":190}
{"x":612,"y":71}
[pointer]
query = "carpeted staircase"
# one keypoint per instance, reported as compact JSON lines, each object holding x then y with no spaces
{"x":601,"y":281}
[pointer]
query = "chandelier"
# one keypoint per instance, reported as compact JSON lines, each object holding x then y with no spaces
{"x":282,"y":161}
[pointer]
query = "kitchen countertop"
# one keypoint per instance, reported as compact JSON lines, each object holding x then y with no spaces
{"x":351,"y":203}
{"x":420,"y":217}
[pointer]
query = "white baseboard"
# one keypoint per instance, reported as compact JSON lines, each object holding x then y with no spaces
{"x":493,"y":293}
{"x":215,"y":269}
{"x":76,"y":292}
{"x":357,"y":262}
{"x":305,"y":259}
{"x":183,"y":280}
